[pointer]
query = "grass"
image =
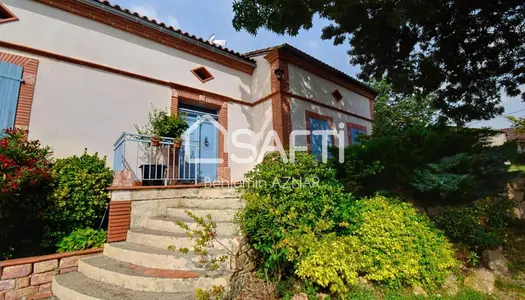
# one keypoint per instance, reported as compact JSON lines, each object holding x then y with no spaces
{"x":510,"y":285}
{"x":517,"y":168}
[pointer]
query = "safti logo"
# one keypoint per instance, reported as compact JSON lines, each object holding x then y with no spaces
{"x":271,"y":143}
{"x":186,"y":137}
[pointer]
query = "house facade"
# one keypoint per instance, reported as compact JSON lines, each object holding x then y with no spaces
{"x":79,"y":73}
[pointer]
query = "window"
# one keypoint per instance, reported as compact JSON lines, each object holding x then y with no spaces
{"x":6,"y":15}
{"x":337,"y":95}
{"x":10,"y":80}
{"x":315,"y":142}
{"x":355,"y":131}
{"x":202,"y":73}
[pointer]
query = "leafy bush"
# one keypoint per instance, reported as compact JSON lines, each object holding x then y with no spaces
{"x":433,"y":164}
{"x":25,"y":170}
{"x":325,"y":236}
{"x":163,"y":124}
{"x":82,"y":239}
{"x":398,"y":245}
{"x":286,"y":202}
{"x":332,"y":263}
{"x":79,"y":197}
{"x":478,"y":226}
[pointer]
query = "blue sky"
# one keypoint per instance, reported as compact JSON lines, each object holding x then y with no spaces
{"x":205,"y":17}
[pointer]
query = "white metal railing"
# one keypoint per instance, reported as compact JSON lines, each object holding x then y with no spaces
{"x":153,"y":162}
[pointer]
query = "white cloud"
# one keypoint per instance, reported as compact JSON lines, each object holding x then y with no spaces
{"x":171,"y":21}
{"x":152,"y":13}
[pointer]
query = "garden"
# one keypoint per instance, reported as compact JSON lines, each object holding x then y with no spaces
{"x":417,"y":210}
{"x":49,"y":205}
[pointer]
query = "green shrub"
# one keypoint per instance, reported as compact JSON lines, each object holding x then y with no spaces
{"x":478,"y":226}
{"x":434,"y":164}
{"x":288,"y":201}
{"x":25,"y":171}
{"x":82,"y":239}
{"x":398,"y":245}
{"x":79,"y":196}
{"x":332,"y":263}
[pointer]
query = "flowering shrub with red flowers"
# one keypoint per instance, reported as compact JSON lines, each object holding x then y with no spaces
{"x":24,"y":164}
{"x":25,"y":174}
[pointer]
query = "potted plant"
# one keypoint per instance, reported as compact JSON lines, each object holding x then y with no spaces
{"x":161,"y":124}
{"x":172,"y":126}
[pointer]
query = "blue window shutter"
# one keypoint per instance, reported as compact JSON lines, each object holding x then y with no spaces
{"x":10,"y":80}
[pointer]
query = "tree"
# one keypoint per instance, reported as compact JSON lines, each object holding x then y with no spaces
{"x":393,"y":111}
{"x":465,"y":52}
{"x":518,"y":123}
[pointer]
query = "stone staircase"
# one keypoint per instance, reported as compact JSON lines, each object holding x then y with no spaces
{"x":142,"y":267}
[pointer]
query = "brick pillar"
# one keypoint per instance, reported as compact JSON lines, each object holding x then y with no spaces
{"x":173,"y":171}
{"x":174,"y":102}
{"x":223,"y":169}
{"x":281,"y":107}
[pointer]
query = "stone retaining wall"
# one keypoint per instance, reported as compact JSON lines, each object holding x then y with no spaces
{"x":516,"y":192}
{"x":30,"y":278}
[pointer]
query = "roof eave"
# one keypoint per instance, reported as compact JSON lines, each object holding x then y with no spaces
{"x":327,"y":67}
{"x":165,"y":30}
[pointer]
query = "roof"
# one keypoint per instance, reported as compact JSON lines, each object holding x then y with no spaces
{"x":513,"y":135}
{"x":163,"y":27}
{"x":312,"y":60}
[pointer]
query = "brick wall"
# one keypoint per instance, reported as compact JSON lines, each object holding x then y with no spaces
{"x":31,"y":277}
{"x":27,"y":88}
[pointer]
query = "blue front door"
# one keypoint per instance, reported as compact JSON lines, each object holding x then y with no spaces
{"x":208,"y":150}
{"x":203,"y":141}
{"x":316,"y":141}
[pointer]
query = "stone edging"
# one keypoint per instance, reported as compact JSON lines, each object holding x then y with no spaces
{"x":31,"y":277}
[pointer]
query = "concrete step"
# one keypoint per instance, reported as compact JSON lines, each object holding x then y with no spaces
{"x":166,"y":223}
{"x":164,"y":239}
{"x":217,"y":215}
{"x":169,"y":193}
{"x":208,"y":203}
{"x":137,"y":278}
{"x":153,"y":257}
{"x":76,"y":286}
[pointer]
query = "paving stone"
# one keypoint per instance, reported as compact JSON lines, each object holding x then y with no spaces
{"x":22,"y":282}
{"x":21,"y":293}
{"x":44,"y":287}
{"x":40,"y":295}
{"x":7,"y":284}
{"x":45,"y":266}
{"x":38,"y":279}
{"x":17,"y":271}
{"x":69,"y":262}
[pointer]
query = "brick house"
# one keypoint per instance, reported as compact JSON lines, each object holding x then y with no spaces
{"x":79,"y":73}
